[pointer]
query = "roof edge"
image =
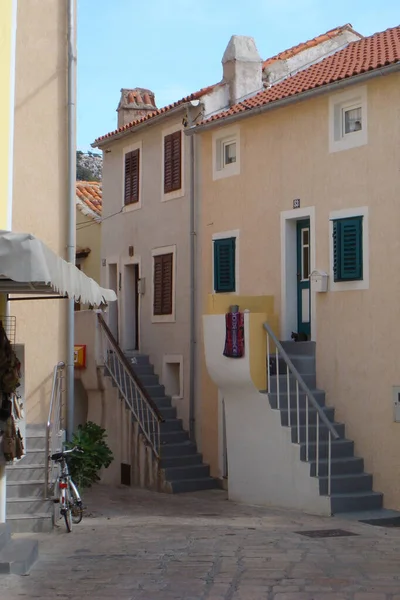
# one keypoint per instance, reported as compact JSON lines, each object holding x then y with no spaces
{"x":318,"y":91}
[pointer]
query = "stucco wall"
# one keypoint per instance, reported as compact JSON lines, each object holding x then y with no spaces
{"x":285,"y":155}
{"x":40,"y":181}
{"x":156,"y":224}
{"x":88,"y":235}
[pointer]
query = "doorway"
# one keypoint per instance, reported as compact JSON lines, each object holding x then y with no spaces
{"x":113,"y":306}
{"x":131,"y":307}
{"x":297,"y":263}
{"x":303,"y":278}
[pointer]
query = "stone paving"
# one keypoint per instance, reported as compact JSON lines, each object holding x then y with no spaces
{"x":136,"y":545}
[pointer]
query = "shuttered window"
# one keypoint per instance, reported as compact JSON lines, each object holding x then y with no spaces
{"x":163,"y":284}
{"x":348,"y":249}
{"x":172,"y":162}
{"x":131,"y":194}
{"x":224,"y":265}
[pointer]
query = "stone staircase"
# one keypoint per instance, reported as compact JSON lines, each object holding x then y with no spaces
{"x":16,"y":556}
{"x":182,"y":466}
{"x":351,"y":487}
{"x":26,"y":509}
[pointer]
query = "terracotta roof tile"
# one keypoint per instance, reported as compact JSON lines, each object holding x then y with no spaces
{"x":366,"y":54}
{"x":332,"y":33}
{"x":89,"y":198}
{"x":154,"y":113}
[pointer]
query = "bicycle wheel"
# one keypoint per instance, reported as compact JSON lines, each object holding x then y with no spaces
{"x":68,"y":520}
{"x":76,"y":512}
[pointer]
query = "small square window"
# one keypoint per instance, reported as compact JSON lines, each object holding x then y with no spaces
{"x":352,"y":120}
{"x":229,"y":153}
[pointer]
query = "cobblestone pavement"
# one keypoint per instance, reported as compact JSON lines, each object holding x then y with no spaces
{"x":135,"y":545}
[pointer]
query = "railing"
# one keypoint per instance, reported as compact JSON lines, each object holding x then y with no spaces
{"x":54,"y":432}
{"x":143,"y":408}
{"x":310,"y":403}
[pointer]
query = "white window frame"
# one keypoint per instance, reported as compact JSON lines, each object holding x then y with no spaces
{"x":235,"y":233}
{"x":338,"y":105}
{"x":158,"y":252}
{"x":177,"y":193}
{"x":362,"y":284}
{"x":219,"y":139}
{"x":126,"y":150}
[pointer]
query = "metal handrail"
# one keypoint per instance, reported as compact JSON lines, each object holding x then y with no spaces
{"x":301,"y":382}
{"x":142,"y":406}
{"x":53,"y":425}
{"x":309,"y":397}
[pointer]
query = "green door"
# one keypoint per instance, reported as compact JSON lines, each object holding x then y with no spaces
{"x":303,"y":278}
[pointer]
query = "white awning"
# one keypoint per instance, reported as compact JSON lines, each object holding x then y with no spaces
{"x":28,"y":266}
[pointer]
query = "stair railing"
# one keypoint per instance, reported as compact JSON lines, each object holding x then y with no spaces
{"x":54,"y":431}
{"x":142,"y":406}
{"x":311,"y":402}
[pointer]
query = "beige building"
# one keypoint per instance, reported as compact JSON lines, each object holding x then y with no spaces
{"x":299,"y":206}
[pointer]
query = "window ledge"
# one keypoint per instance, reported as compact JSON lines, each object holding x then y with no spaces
{"x":173,"y":195}
{"x":131,"y":207}
{"x":163,"y":319}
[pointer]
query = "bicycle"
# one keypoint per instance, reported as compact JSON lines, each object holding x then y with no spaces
{"x":71,"y":507}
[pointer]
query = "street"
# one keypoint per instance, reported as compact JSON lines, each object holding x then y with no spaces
{"x":136,"y":545}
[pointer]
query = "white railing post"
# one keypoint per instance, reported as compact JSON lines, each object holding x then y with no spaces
{"x":307,"y":429}
{"x":317,"y":446}
{"x":268,"y":365}
{"x":329,"y":462}
{"x":288,"y":395}
{"x":298,"y":411}
{"x":277,"y":379}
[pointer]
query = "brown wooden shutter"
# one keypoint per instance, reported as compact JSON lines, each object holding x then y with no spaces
{"x":172,"y":162}
{"x":132,"y":163}
{"x":163,"y":283}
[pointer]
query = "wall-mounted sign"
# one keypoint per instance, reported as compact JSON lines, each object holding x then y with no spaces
{"x":296,"y":203}
{"x":79,"y":356}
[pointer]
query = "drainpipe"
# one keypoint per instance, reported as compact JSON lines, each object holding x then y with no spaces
{"x":192,"y":225}
{"x":71,"y":207}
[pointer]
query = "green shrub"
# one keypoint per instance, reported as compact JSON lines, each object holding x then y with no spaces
{"x":84,"y":467}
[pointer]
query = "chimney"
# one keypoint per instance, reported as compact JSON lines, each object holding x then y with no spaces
{"x":135,"y":104}
{"x":242,"y":68}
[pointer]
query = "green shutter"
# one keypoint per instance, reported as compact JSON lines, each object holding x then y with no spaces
{"x":224,"y":265}
{"x":347,"y":249}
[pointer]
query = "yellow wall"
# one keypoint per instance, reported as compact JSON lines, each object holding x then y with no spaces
{"x":285,"y":155}
{"x":40,"y":202}
{"x":7,"y":55}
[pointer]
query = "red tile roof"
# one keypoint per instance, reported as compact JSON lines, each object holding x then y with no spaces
{"x":89,"y":198}
{"x":367,"y":54}
{"x":154,"y":113}
{"x":332,"y":33}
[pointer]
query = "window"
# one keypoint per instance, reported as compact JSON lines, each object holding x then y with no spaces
{"x":172,"y":162}
{"x":348,"y":119}
{"x":163,"y":284}
{"x":225,"y":265}
{"x":347,"y":249}
{"x":226,"y":153}
{"x":131,"y":193}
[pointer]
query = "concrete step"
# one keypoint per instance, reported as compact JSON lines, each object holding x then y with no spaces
{"x":25,"y":472}
{"x":35,"y":442}
{"x":155,"y":391}
{"x":36,"y":430}
{"x":296,"y":348}
{"x":23,"y":506}
{"x":181,"y":461}
{"x":342,"y":484}
{"x":174,"y":437}
{"x":149,"y":380}
{"x":140,"y":370}
{"x":164,"y":402}
{"x":339,"y":449}
{"x":200,"y":471}
{"x":25,"y":489}
{"x":18,"y":556}
{"x":170,"y":425}
{"x":339,"y":466}
{"x":319,"y":396}
{"x":5,"y":535}
{"x":136,"y":358}
{"x":303,"y":363}
{"x":182,"y":449}
{"x":382,"y":517}
{"x":310,"y":380}
{"x":30,"y":523}
{"x":356,"y":501}
{"x":323,"y":432}
{"x":168,"y":412}
{"x":35,"y":457}
{"x":312,"y":415}
{"x":192,"y":485}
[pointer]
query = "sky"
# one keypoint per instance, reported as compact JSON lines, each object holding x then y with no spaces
{"x":175,"y":47}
